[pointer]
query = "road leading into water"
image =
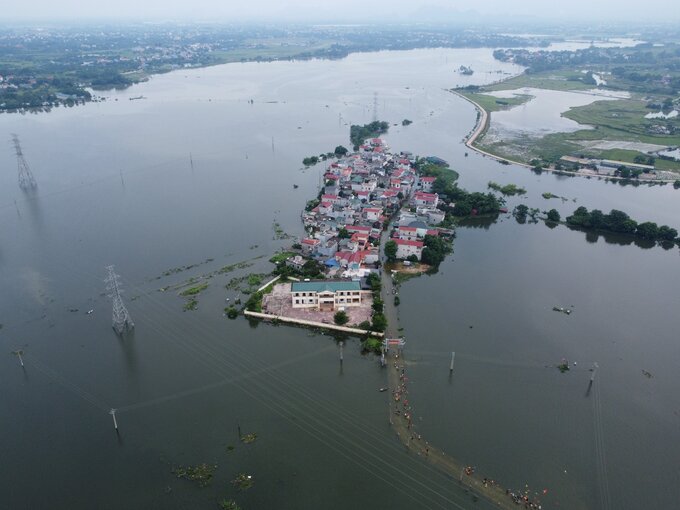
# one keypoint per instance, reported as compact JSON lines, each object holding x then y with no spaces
{"x":401,"y":415}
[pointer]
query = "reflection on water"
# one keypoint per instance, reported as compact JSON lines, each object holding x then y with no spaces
{"x":542,"y":114}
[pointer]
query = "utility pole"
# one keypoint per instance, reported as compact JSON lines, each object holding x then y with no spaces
{"x":191,"y":162}
{"x":341,"y":356}
{"x":121,"y":318}
{"x":19,"y":353}
{"x":112,"y":412}
{"x":17,"y":206}
{"x":592,"y":374}
{"x":453,"y":356}
{"x":120,"y":170}
{"x":26,"y":179}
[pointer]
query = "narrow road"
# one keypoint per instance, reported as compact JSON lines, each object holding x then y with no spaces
{"x":401,"y":417}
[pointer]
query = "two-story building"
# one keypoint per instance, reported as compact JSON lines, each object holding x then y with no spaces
{"x":326,"y":295}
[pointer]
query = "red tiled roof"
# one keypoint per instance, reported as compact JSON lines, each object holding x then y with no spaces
{"x":357,"y":228}
{"x":428,"y":197}
{"x":404,"y":242}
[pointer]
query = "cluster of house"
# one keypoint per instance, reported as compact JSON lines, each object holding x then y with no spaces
{"x":361,"y":192}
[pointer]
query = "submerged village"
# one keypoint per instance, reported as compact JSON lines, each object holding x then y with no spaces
{"x":378,"y":219}
{"x":376,"y":211}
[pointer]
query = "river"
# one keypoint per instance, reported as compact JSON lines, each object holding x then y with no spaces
{"x":115,"y":186}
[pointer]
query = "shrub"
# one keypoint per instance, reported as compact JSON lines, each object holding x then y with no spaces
{"x":340,"y":318}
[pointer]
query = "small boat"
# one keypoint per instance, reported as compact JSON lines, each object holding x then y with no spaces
{"x":381,"y":390}
{"x":295,"y":186}
{"x":89,"y":312}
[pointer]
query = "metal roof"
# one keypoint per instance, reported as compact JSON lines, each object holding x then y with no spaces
{"x":322,"y":285}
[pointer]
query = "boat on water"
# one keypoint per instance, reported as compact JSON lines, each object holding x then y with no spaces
{"x":381,"y":390}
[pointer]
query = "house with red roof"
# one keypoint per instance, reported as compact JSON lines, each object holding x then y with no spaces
{"x":372,"y":213}
{"x":309,"y":245}
{"x":426,"y":183}
{"x":425,"y":199}
{"x":407,"y":248}
{"x":333,"y":199}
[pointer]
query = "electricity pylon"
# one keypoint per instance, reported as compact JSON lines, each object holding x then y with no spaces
{"x":121,"y":318}
{"x":26,"y":179}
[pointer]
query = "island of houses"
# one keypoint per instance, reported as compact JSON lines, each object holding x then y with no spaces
{"x":363,"y":194}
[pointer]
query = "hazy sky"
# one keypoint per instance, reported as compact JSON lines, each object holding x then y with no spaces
{"x":340,"y":10}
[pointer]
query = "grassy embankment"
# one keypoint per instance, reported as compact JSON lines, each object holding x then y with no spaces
{"x":621,"y":120}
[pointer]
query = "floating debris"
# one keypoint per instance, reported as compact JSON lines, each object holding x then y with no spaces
{"x":249,"y":438}
{"x":201,"y":473}
{"x":229,"y":504}
{"x":648,"y":375}
{"x":564,"y":366}
{"x":561,"y":309}
{"x":243,"y":481}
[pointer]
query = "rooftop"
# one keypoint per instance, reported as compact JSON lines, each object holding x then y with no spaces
{"x":324,"y":285}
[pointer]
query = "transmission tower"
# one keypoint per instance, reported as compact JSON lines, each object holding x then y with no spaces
{"x":26,"y":179}
{"x":121,"y":318}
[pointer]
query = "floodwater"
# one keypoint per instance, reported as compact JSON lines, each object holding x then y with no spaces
{"x":542,"y":114}
{"x":116,"y":187}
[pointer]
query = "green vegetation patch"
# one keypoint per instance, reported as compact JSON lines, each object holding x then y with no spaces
{"x":493,"y":104}
{"x":372,"y":344}
{"x":619,"y":222}
{"x":234,"y":267}
{"x":190,"y":305}
{"x":201,"y":473}
{"x":243,"y":481}
{"x":282,"y":257}
{"x":193,"y":291}
{"x":229,"y":504}
{"x":508,"y":189}
{"x":249,"y":438}
{"x":551,"y":80}
{"x":357,"y":133}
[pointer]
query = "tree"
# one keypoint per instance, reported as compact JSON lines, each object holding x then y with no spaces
{"x":435,"y":250}
{"x":553,"y":215}
{"x":647,"y":230}
{"x":667,"y":233}
{"x":624,"y":171}
{"x":379,"y":322}
{"x":343,"y":233}
{"x":340,"y":318}
{"x":619,"y":221}
{"x":373,"y":280}
{"x":311,"y":269}
{"x":340,"y":151}
{"x":413,"y":259}
{"x":391,"y":251}
{"x":520,"y":212}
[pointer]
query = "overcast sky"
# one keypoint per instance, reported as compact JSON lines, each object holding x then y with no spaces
{"x":339,"y":10}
